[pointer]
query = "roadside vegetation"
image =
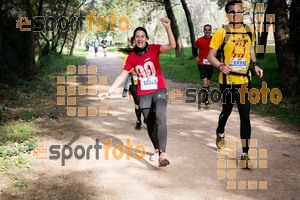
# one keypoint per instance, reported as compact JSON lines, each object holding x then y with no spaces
{"x":25,"y":103}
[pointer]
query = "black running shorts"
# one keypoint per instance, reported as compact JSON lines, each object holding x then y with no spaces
{"x":206,"y":71}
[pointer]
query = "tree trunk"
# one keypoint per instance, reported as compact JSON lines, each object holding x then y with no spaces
{"x":264,"y":35}
{"x":73,"y":43}
{"x":75,"y":35}
{"x":174,"y":27}
{"x":190,"y":25}
{"x":63,"y":44}
{"x":283,"y":47}
{"x":295,"y":28}
{"x":2,"y":18}
{"x":29,"y":55}
{"x":40,"y":8}
{"x":67,"y":32}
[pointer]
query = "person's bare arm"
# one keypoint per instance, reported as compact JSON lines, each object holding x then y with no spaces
{"x":172,"y":43}
{"x":215,"y":62}
{"x":257,"y":69}
{"x":118,"y":81}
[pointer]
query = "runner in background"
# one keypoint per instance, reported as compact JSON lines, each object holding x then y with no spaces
{"x":205,"y":68}
{"x":87,"y":45}
{"x":96,"y":45}
{"x":104,"y":45}
{"x":131,"y":86}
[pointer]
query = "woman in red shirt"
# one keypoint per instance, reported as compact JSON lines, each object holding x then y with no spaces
{"x":151,"y":86}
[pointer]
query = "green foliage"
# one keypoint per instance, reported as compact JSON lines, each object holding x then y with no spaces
{"x":289,"y":107}
{"x":58,"y":64}
{"x":183,"y":69}
{"x":9,"y":163}
{"x":21,"y":182}
{"x":286,"y":111}
{"x":220,"y":3}
{"x":27,"y":114}
{"x":15,"y":132}
{"x":16,"y":148}
{"x":16,"y":140}
{"x":18,"y":49}
{"x":26,"y":100}
{"x":271,"y":74}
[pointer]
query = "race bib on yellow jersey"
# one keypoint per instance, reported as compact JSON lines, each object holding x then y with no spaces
{"x":238,"y":64}
{"x":149,"y":83}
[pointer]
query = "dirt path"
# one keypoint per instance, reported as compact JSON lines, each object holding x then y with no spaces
{"x":196,"y":171}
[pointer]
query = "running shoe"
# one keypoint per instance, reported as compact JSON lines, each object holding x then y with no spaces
{"x":138,"y":125}
{"x":154,"y":157}
{"x":163,"y":160}
{"x":206,"y":104}
{"x":220,"y":142}
{"x":245,"y":161}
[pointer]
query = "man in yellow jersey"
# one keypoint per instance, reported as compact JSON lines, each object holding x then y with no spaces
{"x":234,"y":45}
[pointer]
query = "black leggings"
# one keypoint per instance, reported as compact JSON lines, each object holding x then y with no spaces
{"x":155,"y":116}
{"x":136,"y":99}
{"x":230,"y":95}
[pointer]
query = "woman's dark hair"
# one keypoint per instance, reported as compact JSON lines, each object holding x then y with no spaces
{"x":131,"y":40}
{"x":141,"y":29}
{"x":206,"y":26}
{"x":231,"y":3}
{"x":128,"y":49}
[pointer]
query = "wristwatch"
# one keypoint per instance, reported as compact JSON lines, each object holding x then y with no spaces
{"x":255,"y":64}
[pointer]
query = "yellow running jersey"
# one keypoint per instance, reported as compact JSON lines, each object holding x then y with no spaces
{"x":236,"y":51}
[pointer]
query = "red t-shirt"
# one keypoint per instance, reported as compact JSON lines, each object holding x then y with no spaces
{"x":203,"y":44}
{"x":147,"y":67}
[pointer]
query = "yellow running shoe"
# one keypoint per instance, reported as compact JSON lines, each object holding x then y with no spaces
{"x":245,"y":161}
{"x":220,"y":142}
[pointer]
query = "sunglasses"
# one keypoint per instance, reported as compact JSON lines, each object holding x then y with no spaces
{"x":235,"y":11}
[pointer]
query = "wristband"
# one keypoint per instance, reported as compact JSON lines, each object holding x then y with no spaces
{"x":221,"y":65}
{"x":255,"y":64}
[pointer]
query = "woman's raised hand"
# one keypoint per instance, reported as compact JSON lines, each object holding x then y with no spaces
{"x":165,"y":22}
